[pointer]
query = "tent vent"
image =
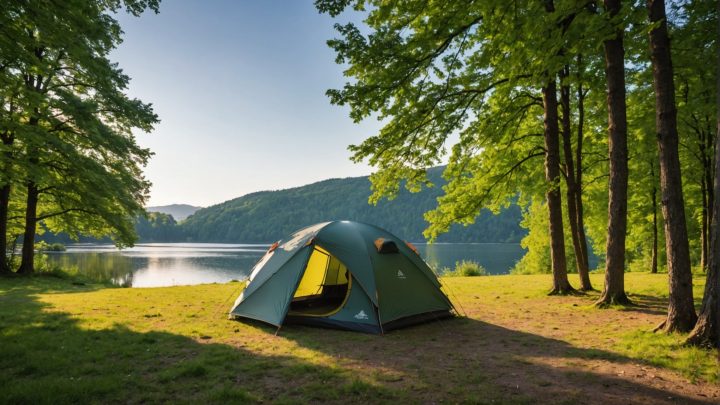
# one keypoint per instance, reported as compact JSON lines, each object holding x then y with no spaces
{"x":385,"y":246}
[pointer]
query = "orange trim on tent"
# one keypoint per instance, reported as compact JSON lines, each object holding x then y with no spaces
{"x":412,"y":247}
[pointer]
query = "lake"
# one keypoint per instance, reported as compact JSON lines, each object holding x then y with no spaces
{"x":165,"y":264}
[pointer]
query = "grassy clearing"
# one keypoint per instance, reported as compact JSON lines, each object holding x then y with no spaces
{"x":61,"y":342}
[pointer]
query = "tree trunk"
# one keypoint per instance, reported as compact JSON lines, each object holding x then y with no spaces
{"x":707,"y":329}
{"x":4,"y":202}
{"x":561,"y":284}
{"x":654,"y":262}
{"x":7,"y":140}
{"x":706,"y":154}
{"x":681,"y":311}
{"x":572,"y":187}
{"x":27,"y":263}
{"x":614,"y":290}
{"x":704,"y":225}
{"x":579,"y":172}
{"x":708,"y":163}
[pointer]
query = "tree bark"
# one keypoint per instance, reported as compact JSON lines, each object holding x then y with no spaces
{"x":654,"y":259}
{"x":708,"y":163}
{"x":27,"y":263}
{"x":561,"y":284}
{"x":4,"y":202}
{"x":7,"y":140}
{"x":704,"y":225}
{"x":579,"y":172}
{"x":681,"y":311}
{"x":706,"y":156}
{"x":614,"y":290}
{"x":707,"y":328}
{"x":572,"y":187}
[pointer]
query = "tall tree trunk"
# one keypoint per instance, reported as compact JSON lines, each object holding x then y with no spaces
{"x":654,"y":260}
{"x":561,"y":284}
{"x":572,"y":187}
{"x":7,"y":140}
{"x":579,"y":171}
{"x":704,"y":225}
{"x":4,"y":202}
{"x":614,"y":290}
{"x":27,"y":263}
{"x":706,"y":155}
{"x":707,"y":328}
{"x":681,"y":311}
{"x":708,"y":163}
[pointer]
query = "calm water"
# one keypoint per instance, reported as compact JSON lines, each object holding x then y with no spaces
{"x":163,"y":264}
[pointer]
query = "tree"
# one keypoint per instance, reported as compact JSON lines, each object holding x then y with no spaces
{"x":573,"y":172}
{"x":681,"y":310}
{"x":76,"y":156}
{"x":707,"y":328}
{"x":561,"y":285}
{"x":483,"y":71}
{"x":9,"y":54}
{"x":614,"y":290}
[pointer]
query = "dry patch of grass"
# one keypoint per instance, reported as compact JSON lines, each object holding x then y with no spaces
{"x":62,"y":343}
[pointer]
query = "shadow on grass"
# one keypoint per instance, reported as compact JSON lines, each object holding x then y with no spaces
{"x":49,"y":357}
{"x":647,"y":304}
{"x":467,"y":360}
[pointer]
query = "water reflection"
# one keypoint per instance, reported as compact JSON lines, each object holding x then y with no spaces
{"x":496,"y":258}
{"x":154,"y":265}
{"x":164,"y":264}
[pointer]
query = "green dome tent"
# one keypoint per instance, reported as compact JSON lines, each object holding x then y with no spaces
{"x":342,"y":274}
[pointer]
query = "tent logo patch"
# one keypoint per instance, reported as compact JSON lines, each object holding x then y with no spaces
{"x":401,"y":275}
{"x":361,"y":315}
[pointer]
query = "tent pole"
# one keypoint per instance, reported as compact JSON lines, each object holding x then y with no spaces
{"x":377,"y":313}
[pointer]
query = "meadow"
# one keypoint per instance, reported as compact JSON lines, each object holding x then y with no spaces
{"x":64,"y":340}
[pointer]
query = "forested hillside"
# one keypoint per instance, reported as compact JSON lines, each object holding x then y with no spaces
{"x":269,"y":215}
{"x":178,"y":211}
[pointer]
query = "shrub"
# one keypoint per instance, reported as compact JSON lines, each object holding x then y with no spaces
{"x":467,"y":268}
{"x":50,"y":247}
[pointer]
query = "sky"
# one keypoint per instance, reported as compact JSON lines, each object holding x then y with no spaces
{"x":239,"y":87}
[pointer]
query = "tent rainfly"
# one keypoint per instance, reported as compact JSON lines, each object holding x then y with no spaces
{"x":345,"y":275}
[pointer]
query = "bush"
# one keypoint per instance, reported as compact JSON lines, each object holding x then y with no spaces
{"x":467,"y":268}
{"x":50,"y":247}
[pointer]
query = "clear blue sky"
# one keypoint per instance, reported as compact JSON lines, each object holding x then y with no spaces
{"x":240,"y":89}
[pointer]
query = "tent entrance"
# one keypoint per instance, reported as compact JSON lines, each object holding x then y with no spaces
{"x":324,"y":287}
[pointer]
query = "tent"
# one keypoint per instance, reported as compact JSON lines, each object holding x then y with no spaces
{"x":345,"y":275}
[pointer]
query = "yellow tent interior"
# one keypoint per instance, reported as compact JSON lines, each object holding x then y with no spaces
{"x":324,"y":286}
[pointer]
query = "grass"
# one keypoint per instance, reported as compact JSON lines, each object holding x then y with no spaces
{"x":63,"y":342}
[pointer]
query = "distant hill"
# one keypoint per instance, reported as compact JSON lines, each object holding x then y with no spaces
{"x":178,"y":211}
{"x":267,"y":216}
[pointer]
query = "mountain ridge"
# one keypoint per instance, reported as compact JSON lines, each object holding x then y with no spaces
{"x":178,"y":211}
{"x":268,"y":215}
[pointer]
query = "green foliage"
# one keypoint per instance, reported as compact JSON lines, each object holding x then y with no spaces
{"x":158,"y":227}
{"x":537,"y":241}
{"x":466,"y":268}
{"x":464,"y":79}
{"x":461,"y":75}
{"x":67,"y":123}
